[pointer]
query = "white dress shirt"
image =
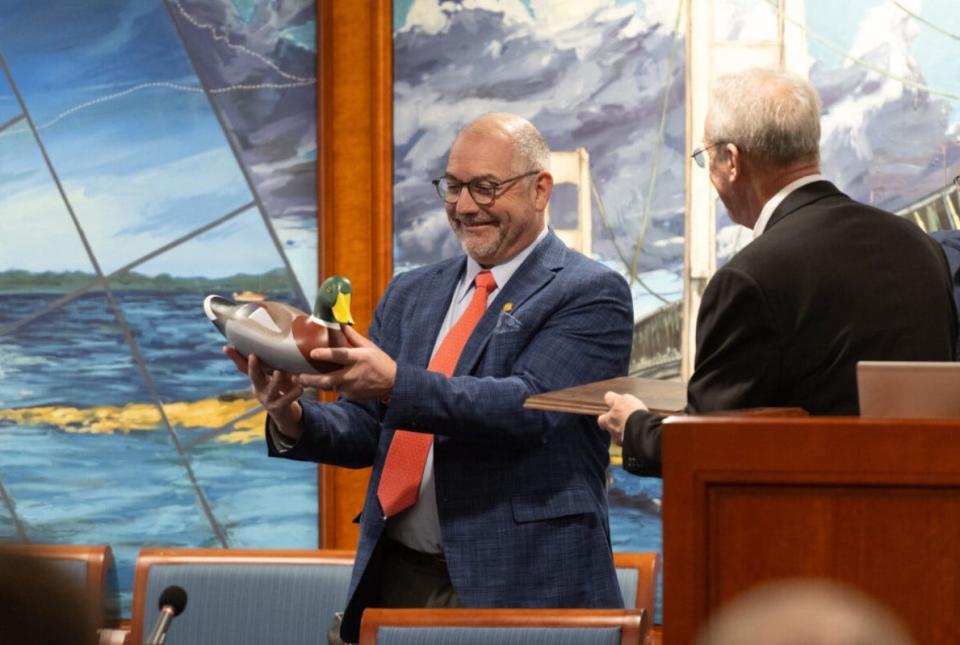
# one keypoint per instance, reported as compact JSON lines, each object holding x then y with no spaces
{"x":777,"y":199}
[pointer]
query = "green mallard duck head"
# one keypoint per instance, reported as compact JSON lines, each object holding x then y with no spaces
{"x":333,"y":301}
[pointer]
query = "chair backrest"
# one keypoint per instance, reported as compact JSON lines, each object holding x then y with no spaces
{"x":242,"y":596}
{"x":638,"y":574}
{"x":503,"y":626}
{"x":89,"y":565}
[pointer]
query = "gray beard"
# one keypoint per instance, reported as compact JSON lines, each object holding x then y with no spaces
{"x":477,"y":248}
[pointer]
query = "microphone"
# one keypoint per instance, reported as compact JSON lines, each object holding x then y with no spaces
{"x":173,"y":600}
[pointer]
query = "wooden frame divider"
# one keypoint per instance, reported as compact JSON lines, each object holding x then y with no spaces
{"x":647,"y":564}
{"x":355,"y":194}
{"x":632,"y":623}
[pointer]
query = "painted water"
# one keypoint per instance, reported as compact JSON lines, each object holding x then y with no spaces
{"x":86,"y":457}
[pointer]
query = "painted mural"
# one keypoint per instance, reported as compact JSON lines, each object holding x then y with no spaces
{"x":150,"y":153}
{"x":608,"y":76}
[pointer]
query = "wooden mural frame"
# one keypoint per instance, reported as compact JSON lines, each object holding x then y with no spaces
{"x":354,"y":195}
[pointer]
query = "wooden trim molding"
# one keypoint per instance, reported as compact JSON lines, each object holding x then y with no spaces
{"x":632,"y":623}
{"x":355,"y":194}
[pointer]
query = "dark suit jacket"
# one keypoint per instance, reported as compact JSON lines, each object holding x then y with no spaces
{"x":830,"y":282}
{"x":520,"y":493}
{"x":950,"y":243}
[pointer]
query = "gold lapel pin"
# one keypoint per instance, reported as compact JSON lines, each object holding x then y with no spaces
{"x":508,"y":307}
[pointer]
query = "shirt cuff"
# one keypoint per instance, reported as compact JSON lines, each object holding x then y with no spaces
{"x":281,"y":442}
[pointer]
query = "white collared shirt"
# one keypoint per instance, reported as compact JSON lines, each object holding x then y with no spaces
{"x":419,"y":526}
{"x":777,"y":199}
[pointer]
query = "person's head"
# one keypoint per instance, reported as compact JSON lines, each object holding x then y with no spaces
{"x":42,"y":603}
{"x":803,"y":612}
{"x":496,"y":187}
{"x":762,"y":131}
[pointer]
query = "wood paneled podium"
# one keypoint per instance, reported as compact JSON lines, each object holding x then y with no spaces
{"x":868,"y":502}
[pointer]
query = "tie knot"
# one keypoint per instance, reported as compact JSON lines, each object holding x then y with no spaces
{"x":485,"y":281}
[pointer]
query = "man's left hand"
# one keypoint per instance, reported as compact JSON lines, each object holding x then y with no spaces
{"x":367,"y":372}
{"x":621,"y":407}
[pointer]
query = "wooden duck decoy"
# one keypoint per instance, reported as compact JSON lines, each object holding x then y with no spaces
{"x":282,"y":336}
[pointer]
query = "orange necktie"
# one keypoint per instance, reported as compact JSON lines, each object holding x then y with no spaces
{"x":407,"y":455}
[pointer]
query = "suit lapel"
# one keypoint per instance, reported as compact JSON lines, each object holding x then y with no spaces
{"x":802,"y":197}
{"x":535,"y":273}
{"x":435,"y":293}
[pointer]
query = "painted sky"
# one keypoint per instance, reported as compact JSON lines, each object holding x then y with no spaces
{"x":834,"y":26}
{"x":143,"y":160}
{"x":138,"y":150}
{"x":594,"y":73}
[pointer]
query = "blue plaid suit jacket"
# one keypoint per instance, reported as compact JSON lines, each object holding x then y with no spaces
{"x":521,"y":494}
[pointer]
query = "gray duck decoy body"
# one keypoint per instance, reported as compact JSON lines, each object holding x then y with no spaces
{"x":281,"y":335}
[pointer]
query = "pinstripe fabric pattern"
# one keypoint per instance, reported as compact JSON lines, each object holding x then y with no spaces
{"x":628,"y":579}
{"x":497,"y":635}
{"x":251,"y":604}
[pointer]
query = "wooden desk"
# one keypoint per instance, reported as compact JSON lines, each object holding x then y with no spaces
{"x":868,"y":502}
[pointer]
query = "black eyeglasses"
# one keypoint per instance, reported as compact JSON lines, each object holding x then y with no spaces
{"x":699,"y":154}
{"x":483,"y":190}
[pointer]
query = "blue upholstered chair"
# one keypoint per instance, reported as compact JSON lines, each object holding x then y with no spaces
{"x":242,"y":596}
{"x":638,"y":574}
{"x":90,"y":565}
{"x":503,"y":627}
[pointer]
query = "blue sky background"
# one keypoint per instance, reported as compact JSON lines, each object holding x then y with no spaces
{"x":136,"y":144}
{"x":935,"y":53}
{"x":141,"y":168}
{"x":144,"y":161}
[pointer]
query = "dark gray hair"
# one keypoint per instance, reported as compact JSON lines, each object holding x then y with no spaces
{"x":769,"y":114}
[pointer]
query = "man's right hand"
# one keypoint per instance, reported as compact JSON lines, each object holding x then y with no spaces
{"x":277,"y":392}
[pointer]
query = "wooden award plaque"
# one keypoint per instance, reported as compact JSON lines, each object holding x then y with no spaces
{"x":662,"y":397}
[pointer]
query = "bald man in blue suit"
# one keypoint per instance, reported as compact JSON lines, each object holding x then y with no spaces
{"x":511,"y":510}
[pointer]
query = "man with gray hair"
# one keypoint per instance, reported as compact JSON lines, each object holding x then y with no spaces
{"x":826,"y":281}
{"x":473,"y":501}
